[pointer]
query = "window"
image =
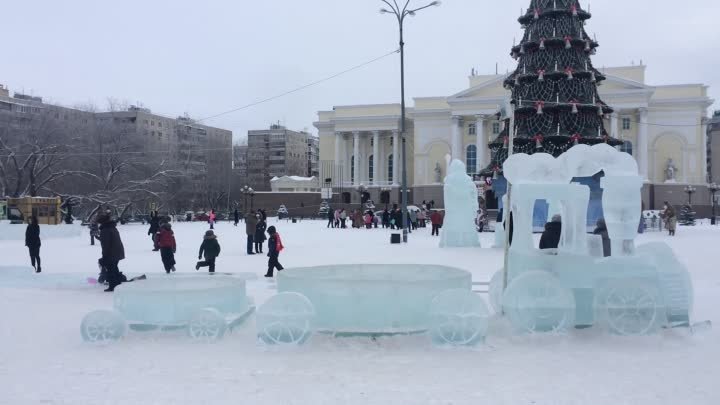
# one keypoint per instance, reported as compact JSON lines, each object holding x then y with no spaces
{"x":496,"y":128}
{"x":152,"y":123}
{"x":626,"y":124}
{"x":371,"y":163}
{"x":152,"y":133}
{"x":146,"y":122}
{"x":392,"y":140}
{"x":472,"y":129}
{"x":471,"y":159}
{"x":627,"y":147}
{"x":160,"y":124}
{"x":352,"y":168}
{"x":390,"y":168}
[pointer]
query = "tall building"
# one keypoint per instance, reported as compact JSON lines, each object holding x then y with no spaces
{"x":275,"y":152}
{"x":202,"y":152}
{"x":713,"y":148}
{"x":659,"y":125}
{"x":313,"y":156}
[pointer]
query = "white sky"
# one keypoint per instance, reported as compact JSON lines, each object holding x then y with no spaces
{"x":206,"y":57}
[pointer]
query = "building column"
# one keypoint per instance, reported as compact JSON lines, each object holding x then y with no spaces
{"x":336,"y":173}
{"x":642,"y":146}
{"x":376,"y":156}
{"x":456,"y":151}
{"x":614,"y":125}
{"x":356,"y":158}
{"x":481,"y":143}
{"x":396,"y":157}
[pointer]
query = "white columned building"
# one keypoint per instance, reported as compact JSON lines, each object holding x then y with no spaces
{"x":659,"y":125}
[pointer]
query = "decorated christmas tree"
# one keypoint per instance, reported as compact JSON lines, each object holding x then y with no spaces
{"x":554,"y":87}
{"x":687,"y":215}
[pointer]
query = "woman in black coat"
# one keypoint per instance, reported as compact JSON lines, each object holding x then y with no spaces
{"x":260,"y":234}
{"x":32,"y":241}
{"x":154,"y":228}
{"x":601,"y":229}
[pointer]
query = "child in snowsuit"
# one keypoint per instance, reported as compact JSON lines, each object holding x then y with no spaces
{"x":211,"y":249}
{"x":166,"y":243}
{"x":275,"y":246}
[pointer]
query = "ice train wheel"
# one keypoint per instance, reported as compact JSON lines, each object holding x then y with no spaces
{"x":458,"y":318}
{"x":207,"y":324}
{"x":536,"y":301}
{"x":629,"y":308}
{"x":285,"y":319}
{"x":103,"y":326}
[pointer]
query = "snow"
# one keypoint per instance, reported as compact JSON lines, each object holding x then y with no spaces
{"x":17,"y":232}
{"x":43,"y":358}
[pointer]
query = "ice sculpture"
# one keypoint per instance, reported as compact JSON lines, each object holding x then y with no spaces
{"x":285,"y":319}
{"x":372,"y":299}
{"x":206,"y":305}
{"x":633,"y":292}
{"x":103,"y":326}
{"x":461,"y":205}
{"x":495,"y":290}
{"x":458,"y":318}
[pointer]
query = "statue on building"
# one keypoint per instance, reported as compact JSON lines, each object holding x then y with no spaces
{"x":670,"y":171}
{"x":438,"y":173}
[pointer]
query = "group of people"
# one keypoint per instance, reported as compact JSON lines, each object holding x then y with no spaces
{"x":387,"y":219}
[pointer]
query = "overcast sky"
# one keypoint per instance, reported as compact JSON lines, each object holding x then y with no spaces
{"x":206,"y":57}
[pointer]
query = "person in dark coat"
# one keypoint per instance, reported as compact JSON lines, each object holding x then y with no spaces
{"x":113,"y":250}
{"x":275,"y":246}
{"x":259,"y":238}
{"x":550,"y":238}
{"x":331,"y":218}
{"x":386,"y":218}
{"x":32,"y":241}
{"x":601,"y":229}
{"x":210,"y":248}
{"x":237,"y":217}
{"x":250,"y":228}
{"x":154,"y":228}
{"x":166,"y":242}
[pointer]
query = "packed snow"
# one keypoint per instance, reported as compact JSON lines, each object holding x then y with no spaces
{"x":44,"y":360}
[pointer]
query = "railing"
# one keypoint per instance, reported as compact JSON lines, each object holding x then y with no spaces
{"x":369,"y":184}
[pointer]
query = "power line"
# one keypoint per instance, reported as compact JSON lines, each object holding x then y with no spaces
{"x":299,"y":88}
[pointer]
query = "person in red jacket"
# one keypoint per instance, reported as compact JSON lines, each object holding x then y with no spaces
{"x":437,"y":220}
{"x":166,"y":243}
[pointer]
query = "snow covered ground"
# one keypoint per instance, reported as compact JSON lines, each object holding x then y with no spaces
{"x":43,"y":360}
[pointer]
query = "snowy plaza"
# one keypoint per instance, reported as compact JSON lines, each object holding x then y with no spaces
{"x":44,"y":359}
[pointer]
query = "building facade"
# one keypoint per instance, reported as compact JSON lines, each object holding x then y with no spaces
{"x":713,"y":148}
{"x":313,"y":156}
{"x":275,"y":152}
{"x":662,"y":126}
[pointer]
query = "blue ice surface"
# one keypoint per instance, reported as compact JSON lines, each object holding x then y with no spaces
{"x":173,"y":300}
{"x":373,"y":299}
{"x":461,"y":206}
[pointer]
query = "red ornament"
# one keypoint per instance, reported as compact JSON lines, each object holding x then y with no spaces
{"x":537,"y":14}
{"x":575,"y":139}
{"x":568,"y":44}
{"x":569,"y":72}
{"x":574,"y":10}
{"x":538,"y":141}
{"x":505,"y":142}
{"x":539,"y":106}
{"x":541,"y":75}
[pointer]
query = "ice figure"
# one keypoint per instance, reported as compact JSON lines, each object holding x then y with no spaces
{"x":372,"y":299}
{"x":285,"y":319}
{"x":461,"y":205}
{"x":206,"y":305}
{"x":633,"y":292}
{"x":458,"y":318}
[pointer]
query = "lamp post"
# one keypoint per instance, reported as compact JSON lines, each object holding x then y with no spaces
{"x":401,"y":13}
{"x":247,"y":191}
{"x":713,"y":188}
{"x":690,"y":190}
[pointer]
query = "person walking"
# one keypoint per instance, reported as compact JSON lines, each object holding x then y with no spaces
{"x":259,"y":234}
{"x":113,"y":250}
{"x":670,"y":218}
{"x":436,"y":220}
{"x":154,"y":228}
{"x":550,"y":238}
{"x":210,"y":249}
{"x":601,"y":229}
{"x":331,"y":218}
{"x":166,"y":242}
{"x":337,"y":218}
{"x":211,"y":219}
{"x":413,"y":216}
{"x":250,"y":228}
{"x":368,"y":220}
{"x":343,"y":218}
{"x":386,"y":218}
{"x":275,"y":246}
{"x":236,"y":214}
{"x":32,"y":241}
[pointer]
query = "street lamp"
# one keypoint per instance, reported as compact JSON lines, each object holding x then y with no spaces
{"x":401,"y":13}
{"x":690,"y":190}
{"x":713,"y":188}
{"x":248,"y":191}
